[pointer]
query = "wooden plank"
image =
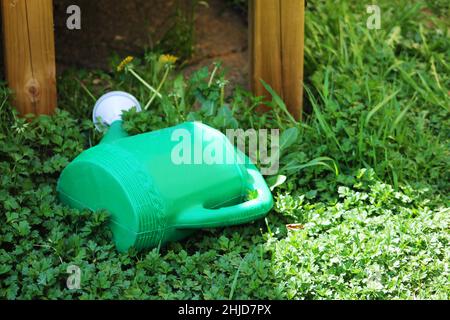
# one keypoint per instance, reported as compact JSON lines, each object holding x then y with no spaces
{"x":17,"y":52}
{"x":276,"y":49}
{"x":30,"y":54}
{"x":265,"y":45}
{"x":292,"y":50}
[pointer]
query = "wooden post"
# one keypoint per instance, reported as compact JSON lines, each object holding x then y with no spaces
{"x":30,"y":54}
{"x":277,"y":49}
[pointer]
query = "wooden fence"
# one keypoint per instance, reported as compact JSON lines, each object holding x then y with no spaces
{"x":276,"y":52}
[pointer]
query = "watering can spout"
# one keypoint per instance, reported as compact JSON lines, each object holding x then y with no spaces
{"x":108,"y":112}
{"x":115,"y":132}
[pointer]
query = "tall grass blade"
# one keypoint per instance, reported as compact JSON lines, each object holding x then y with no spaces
{"x":379,"y":106}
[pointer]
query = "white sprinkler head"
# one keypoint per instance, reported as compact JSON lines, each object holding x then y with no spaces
{"x":109,"y":107}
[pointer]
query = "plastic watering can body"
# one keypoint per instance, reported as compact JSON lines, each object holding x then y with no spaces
{"x":163,"y":185}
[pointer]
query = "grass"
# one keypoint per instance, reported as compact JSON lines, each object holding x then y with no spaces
{"x":364,"y":179}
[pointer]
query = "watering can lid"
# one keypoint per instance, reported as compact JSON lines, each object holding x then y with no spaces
{"x":109,"y":107}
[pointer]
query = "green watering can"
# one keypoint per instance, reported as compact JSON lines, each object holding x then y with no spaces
{"x":155,"y":190}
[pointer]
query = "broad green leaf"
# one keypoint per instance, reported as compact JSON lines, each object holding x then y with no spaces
{"x":288,"y":138}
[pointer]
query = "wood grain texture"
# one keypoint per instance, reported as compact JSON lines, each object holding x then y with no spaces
{"x":292,"y":50}
{"x":265,"y":45}
{"x":277,"y":49}
{"x":30,"y":54}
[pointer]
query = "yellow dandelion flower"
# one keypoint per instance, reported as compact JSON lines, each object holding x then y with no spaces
{"x":168,"y":59}
{"x":124,"y":63}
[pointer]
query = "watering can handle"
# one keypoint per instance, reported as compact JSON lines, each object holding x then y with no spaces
{"x":201,"y":218}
